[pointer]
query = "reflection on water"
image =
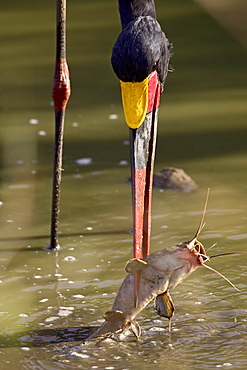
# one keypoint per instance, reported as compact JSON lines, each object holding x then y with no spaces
{"x":49,"y":300}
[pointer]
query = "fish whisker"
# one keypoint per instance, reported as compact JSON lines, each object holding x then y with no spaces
{"x":211,"y":247}
{"x":226,"y":253}
{"x":202,"y":223}
{"x":217,"y":272}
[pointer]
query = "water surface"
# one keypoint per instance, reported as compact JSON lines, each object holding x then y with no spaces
{"x":202,"y":129}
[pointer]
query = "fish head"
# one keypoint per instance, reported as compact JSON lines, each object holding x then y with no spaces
{"x":192,"y":251}
{"x":188,"y":256}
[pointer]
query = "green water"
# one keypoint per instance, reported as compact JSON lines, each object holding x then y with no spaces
{"x":202,"y":129}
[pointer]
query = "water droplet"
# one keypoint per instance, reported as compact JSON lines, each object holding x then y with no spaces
{"x":25,"y":348}
{"x":81,"y":355}
{"x":64,"y":313}
{"x":113,"y":116}
{"x":70,"y":308}
{"x":84,"y":161}
{"x":33,"y":121}
{"x":79,"y":296}
{"x":51,"y":318}
{"x":42,"y":133}
{"x":69,"y":259}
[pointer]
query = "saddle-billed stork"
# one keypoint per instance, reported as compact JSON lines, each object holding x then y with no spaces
{"x":140,"y":59}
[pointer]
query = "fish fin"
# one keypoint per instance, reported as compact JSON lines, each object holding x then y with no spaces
{"x":136,"y":329}
{"x":164,"y":306}
{"x":134,"y":265}
{"x":114,"y":316}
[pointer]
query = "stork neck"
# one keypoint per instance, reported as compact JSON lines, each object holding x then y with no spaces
{"x":132,"y":9}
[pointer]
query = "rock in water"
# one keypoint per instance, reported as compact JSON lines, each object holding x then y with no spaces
{"x":173,"y":179}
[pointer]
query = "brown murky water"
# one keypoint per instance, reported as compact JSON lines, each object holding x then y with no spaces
{"x":202,"y":130}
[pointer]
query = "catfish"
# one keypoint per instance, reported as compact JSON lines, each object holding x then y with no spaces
{"x":159,"y":273}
